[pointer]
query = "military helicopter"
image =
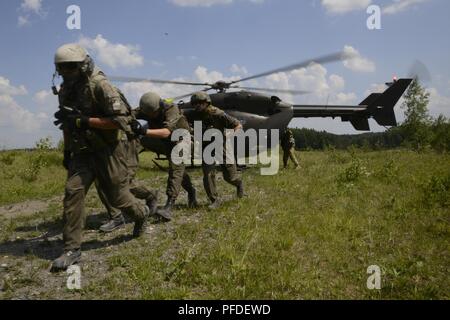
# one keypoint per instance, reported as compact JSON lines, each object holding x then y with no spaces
{"x":262,"y":111}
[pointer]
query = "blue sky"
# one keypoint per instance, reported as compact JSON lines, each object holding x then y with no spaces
{"x":206,"y":40}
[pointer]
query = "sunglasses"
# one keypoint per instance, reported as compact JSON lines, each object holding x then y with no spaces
{"x":67,"y":66}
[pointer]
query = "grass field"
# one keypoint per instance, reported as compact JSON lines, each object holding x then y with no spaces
{"x":302,"y":234}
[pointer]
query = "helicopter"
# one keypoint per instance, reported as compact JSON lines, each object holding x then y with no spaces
{"x":262,"y":111}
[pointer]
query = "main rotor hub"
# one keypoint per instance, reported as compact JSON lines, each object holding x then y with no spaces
{"x":220,"y":86}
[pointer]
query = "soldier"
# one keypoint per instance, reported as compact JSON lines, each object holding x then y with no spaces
{"x":163,"y":118}
{"x":288,"y":144}
{"x":213,"y":117}
{"x":117,"y":219}
{"x":96,"y":130}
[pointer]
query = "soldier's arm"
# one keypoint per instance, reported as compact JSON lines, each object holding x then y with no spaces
{"x":116,"y":113}
{"x":171,"y":118}
{"x":231,"y":122}
{"x":159,"y":133}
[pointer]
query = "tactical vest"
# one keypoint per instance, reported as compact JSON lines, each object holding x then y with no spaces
{"x":81,"y":96}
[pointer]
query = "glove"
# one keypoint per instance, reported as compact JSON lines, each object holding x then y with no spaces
{"x":59,"y":116}
{"x":78,"y":121}
{"x":137,"y":128}
{"x":67,"y":159}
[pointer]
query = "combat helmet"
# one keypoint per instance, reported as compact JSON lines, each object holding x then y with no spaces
{"x":70,"y":53}
{"x":150,"y":103}
{"x":199,"y":97}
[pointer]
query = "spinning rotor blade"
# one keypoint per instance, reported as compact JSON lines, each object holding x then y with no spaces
{"x":189,"y":94}
{"x":324,"y":59}
{"x":131,"y":79}
{"x":294,"y":92}
{"x":419,"y":71}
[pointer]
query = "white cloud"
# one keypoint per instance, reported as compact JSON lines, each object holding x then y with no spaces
{"x":113,"y":55}
{"x":20,"y":126}
{"x":358,"y":63}
{"x":47,"y":102}
{"x":401,"y":5}
{"x":238,"y":69}
{"x":12,"y":114}
{"x":439,"y":104}
{"x":336,"y":82}
{"x":7,"y":89}
{"x":32,"y":6}
{"x":203,"y":75}
{"x":344,"y":6}
{"x":29,"y":8}
{"x":345,"y":98}
{"x":324,"y":89}
{"x":206,"y":3}
{"x":376,"y":88}
{"x":43,"y":96}
{"x":23,"y":21}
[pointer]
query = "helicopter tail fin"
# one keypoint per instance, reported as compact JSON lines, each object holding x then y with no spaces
{"x":379,"y":106}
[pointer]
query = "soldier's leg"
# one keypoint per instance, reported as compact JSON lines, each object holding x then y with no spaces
{"x":231,"y":175}
{"x":174,"y":180}
{"x":285,"y":158}
{"x":112,"y":171}
{"x":187,"y":185}
{"x":116,"y":218}
{"x":113,"y":213}
{"x":209,"y":181}
{"x":293,"y":157}
{"x":138,"y":189}
{"x":178,"y":177}
{"x":80,"y":178}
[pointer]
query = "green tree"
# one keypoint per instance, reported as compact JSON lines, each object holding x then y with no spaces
{"x":441,"y":134}
{"x":416,"y":128}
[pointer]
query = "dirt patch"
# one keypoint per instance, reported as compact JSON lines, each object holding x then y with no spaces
{"x":28,"y":207}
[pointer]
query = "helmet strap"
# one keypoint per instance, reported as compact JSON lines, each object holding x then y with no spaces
{"x":54,"y":88}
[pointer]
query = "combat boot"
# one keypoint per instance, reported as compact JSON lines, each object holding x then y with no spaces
{"x":166,"y":211}
{"x":113,"y":224}
{"x":192,"y":199}
{"x":67,"y":259}
{"x":152,"y":202}
{"x":240,"y":190}
{"x":141,"y":224}
{"x":215,"y":204}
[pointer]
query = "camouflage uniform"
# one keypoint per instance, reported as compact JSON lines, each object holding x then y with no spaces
{"x":213,"y":117}
{"x":96,"y":154}
{"x":136,"y":188}
{"x":288,"y":144}
{"x":171,"y":118}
